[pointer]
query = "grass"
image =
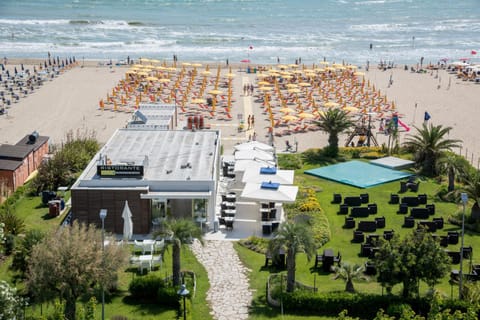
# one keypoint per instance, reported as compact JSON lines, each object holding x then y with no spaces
{"x":341,"y":241}
{"x":120,"y":302}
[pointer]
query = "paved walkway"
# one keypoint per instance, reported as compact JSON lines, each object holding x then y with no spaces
{"x":229,"y":295}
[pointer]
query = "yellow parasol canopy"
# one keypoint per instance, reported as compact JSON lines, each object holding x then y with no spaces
{"x":304,"y":84}
{"x":287,"y":110}
{"x":289,"y":118}
{"x":215,"y":92}
{"x":198,"y":100}
{"x":305,"y":115}
{"x":294,"y":90}
{"x":263,"y":83}
{"x":164,"y":80}
{"x":331,"y":104}
{"x":206,"y":73}
{"x":265,"y":88}
{"x":152,"y":78}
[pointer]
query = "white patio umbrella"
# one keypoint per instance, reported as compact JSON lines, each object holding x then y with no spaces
{"x":127,"y":222}
{"x":253,"y":145}
{"x":254,"y":155}
{"x":255,"y":192}
{"x":255,"y":175}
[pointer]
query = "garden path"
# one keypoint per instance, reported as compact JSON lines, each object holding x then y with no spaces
{"x":229,"y":295}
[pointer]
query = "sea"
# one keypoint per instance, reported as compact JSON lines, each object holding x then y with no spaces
{"x":261,"y":31}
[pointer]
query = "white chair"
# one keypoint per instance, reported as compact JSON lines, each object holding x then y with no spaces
{"x":159,"y":245}
{"x":137,"y":245}
{"x":145,"y":265}
{"x":157,"y":261}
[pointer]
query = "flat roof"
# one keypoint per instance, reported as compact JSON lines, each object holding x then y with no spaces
{"x":39,"y":141}
{"x":14,"y":152}
{"x":167,"y":155}
{"x":10,"y":165}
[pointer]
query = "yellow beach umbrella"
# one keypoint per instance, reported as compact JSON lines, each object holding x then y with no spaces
{"x":198,"y":100}
{"x":291,"y":85}
{"x":152,"y":78}
{"x":331,"y":104}
{"x":358,"y":73}
{"x":143,"y":74}
{"x":215,"y":92}
{"x":305,"y":115}
{"x":186,"y":64}
{"x":265,"y":88}
{"x":206,"y":73}
{"x":294,"y":90}
{"x":230,"y":75}
{"x":351,"y":109}
{"x":164,"y":80}
{"x":196,"y":65}
{"x":263,"y":83}
{"x":287,"y":110}
{"x":304,"y":84}
{"x":289,"y":118}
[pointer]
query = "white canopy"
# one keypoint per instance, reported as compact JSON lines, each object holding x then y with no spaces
{"x":127,"y":222}
{"x":254,"y":155}
{"x":253,"y":145}
{"x":254,"y":175}
{"x":255,"y":192}
{"x":242,"y":165}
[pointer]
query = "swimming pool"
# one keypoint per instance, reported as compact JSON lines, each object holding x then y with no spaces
{"x":358,"y":174}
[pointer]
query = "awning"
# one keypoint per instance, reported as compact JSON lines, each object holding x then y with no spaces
{"x":177,"y":195}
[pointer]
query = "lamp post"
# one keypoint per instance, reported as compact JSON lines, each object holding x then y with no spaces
{"x":183,"y":292}
{"x":464,"y":198}
{"x":103,"y":215}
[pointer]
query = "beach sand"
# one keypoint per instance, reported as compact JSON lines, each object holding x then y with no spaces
{"x":71,"y":102}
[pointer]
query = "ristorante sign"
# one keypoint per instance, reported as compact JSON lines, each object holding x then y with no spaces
{"x":120,"y":171}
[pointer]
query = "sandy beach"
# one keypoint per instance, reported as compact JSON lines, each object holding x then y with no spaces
{"x":70,"y":101}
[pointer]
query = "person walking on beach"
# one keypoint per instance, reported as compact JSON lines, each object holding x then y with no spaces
{"x":249,"y":122}
{"x":253,"y":121}
{"x":244,"y":89}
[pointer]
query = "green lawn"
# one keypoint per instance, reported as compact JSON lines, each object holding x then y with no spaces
{"x":341,"y":241}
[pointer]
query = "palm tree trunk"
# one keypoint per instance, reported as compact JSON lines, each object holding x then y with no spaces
{"x":291,"y":266}
{"x":349,"y":286}
{"x":451,"y":180}
{"x":176,"y":264}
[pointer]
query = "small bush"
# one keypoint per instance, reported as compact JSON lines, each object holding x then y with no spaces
{"x":146,"y":288}
{"x":290,"y":161}
{"x":168,"y":297}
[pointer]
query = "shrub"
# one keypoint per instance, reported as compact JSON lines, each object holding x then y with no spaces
{"x":290,"y":161}
{"x":331,"y":304}
{"x":146,"y":287}
{"x":168,"y":296}
{"x":256,"y":244}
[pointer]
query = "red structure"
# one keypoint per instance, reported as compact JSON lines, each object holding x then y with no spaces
{"x":19,"y":161}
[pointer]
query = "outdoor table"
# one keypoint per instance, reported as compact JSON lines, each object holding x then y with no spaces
{"x":229,"y":212}
{"x":231,"y":197}
{"x":228,"y":204}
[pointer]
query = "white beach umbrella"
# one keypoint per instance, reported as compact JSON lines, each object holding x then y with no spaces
{"x":254,"y":155}
{"x":127,"y":222}
{"x":255,"y":192}
{"x":257,"y":175}
{"x":253,"y":145}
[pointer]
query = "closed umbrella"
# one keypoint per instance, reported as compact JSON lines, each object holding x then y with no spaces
{"x":127,"y":222}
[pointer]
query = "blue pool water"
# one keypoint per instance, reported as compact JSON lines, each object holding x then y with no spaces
{"x":357,"y":173}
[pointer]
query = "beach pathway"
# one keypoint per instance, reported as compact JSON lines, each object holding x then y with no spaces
{"x":229,"y":295}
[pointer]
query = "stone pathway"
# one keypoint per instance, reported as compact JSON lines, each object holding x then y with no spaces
{"x":229,"y":295}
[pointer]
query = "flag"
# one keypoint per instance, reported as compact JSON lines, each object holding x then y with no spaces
{"x":474,"y":52}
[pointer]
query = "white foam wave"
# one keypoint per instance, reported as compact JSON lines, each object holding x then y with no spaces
{"x":33,"y":22}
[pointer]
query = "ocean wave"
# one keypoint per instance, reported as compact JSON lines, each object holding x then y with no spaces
{"x":33,"y":22}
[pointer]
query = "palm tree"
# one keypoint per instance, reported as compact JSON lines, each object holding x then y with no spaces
{"x":428,"y":145}
{"x":334,"y":122}
{"x":471,"y":186}
{"x":181,"y":232}
{"x":452,"y":165}
{"x":293,"y":238}
{"x":348,"y":272}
